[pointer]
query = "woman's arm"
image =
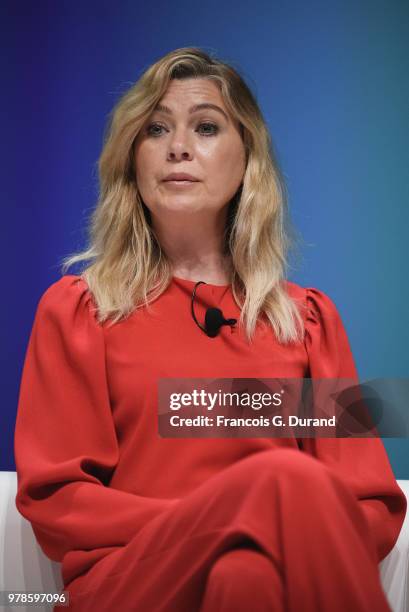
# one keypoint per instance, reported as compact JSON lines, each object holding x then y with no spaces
{"x":66,"y":447}
{"x":361,"y":462}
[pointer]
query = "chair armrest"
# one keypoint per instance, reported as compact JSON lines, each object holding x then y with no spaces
{"x":394,"y":569}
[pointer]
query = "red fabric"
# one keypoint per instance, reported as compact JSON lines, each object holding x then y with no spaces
{"x":315,"y":549}
{"x":246,"y":577}
{"x":92,"y":470}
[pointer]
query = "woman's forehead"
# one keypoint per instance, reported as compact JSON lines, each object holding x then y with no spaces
{"x":188,"y":91}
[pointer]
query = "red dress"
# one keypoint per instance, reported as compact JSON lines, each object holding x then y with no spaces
{"x":146,"y":523}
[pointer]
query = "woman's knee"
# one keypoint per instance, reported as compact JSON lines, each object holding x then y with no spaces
{"x":293,"y":464}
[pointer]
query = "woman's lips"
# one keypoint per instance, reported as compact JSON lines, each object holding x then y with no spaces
{"x":183,"y":183}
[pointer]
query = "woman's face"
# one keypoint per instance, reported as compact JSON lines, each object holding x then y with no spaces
{"x":204,"y":142}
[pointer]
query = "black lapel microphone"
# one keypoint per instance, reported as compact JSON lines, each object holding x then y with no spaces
{"x":214,"y":318}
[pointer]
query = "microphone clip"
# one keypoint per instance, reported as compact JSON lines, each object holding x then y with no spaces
{"x":214,"y":318}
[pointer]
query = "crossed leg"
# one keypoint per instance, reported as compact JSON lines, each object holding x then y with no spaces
{"x":277,"y":530}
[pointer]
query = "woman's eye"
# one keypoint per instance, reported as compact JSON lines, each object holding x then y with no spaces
{"x":212,"y":126}
{"x":151,"y":127}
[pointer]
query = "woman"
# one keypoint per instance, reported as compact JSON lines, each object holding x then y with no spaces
{"x":141,"y":522}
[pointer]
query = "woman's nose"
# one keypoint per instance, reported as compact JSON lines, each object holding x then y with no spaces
{"x":183,"y":154}
{"x":180,"y":145}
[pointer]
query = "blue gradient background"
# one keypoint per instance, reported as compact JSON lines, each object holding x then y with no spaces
{"x":332,"y":82}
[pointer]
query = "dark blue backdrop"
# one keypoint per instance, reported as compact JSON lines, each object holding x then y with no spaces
{"x":332,"y":81}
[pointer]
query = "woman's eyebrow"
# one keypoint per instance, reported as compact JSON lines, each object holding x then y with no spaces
{"x":165,"y":109}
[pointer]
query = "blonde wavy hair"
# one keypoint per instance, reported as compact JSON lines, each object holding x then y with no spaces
{"x":126,"y":267}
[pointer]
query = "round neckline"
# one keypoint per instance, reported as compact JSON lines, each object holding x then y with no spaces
{"x":193,"y":283}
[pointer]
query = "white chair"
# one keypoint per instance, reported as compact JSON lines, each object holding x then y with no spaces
{"x":24,"y":567}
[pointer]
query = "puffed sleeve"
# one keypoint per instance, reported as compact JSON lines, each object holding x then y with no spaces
{"x":361,"y":462}
{"x":65,"y":441}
